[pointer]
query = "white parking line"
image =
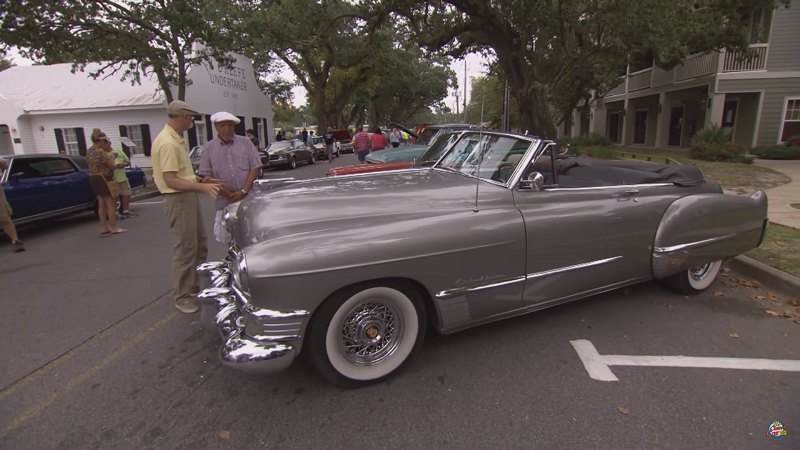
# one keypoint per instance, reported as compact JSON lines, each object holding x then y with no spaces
{"x":598,"y":365}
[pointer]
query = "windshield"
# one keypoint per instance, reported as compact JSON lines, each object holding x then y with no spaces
{"x":435,"y":151}
{"x":427,"y":135}
{"x":487,"y":156}
{"x":282,"y":145}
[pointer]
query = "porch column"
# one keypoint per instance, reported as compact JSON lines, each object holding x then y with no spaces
{"x":662,"y":121}
{"x":714,"y":115}
{"x":576,"y":123}
{"x":625,"y":116}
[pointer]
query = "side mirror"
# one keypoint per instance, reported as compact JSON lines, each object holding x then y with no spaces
{"x":533,"y":182}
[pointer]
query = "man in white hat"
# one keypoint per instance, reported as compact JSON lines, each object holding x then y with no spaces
{"x":232,"y":159}
{"x":175,"y":178}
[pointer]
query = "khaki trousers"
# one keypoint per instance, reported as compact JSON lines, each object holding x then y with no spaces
{"x":183,"y":216}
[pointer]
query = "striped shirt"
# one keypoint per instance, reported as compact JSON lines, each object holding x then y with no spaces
{"x":361,"y":141}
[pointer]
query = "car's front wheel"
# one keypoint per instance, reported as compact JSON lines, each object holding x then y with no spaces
{"x":363,"y":334}
{"x":695,"y":280}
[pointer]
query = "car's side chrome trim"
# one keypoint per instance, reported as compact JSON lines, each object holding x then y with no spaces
{"x":695,"y":244}
{"x":546,"y":273}
{"x":455,"y":292}
{"x":616,"y":186}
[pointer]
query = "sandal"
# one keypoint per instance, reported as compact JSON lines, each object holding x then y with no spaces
{"x":119,"y":230}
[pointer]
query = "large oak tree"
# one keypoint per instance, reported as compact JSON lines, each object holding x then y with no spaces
{"x":555,"y":52}
{"x":130,"y":39}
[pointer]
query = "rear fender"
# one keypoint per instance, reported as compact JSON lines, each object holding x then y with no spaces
{"x":698,"y":229}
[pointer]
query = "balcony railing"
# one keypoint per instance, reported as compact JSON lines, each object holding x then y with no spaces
{"x":618,"y":89}
{"x":697,"y":65}
{"x":740,"y":62}
{"x":640,"y":80}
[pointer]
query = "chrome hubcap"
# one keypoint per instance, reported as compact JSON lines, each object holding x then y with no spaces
{"x":700,"y":272}
{"x":371,"y":333}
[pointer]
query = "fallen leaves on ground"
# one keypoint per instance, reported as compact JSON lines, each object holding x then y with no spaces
{"x":622,"y":410}
{"x":719,"y":294}
{"x":225,"y":435}
{"x":734,"y":335}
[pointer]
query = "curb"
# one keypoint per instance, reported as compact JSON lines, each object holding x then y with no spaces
{"x":781,"y":280}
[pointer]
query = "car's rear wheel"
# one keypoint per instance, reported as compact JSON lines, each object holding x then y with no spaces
{"x":695,"y":280}
{"x":292,"y":162}
{"x":363,"y":334}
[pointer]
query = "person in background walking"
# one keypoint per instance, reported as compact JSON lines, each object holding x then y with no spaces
{"x":377,"y":140}
{"x":121,"y":161}
{"x":304,"y":135}
{"x":175,"y":179}
{"x":405,"y":137}
{"x":101,"y":179}
{"x":395,"y":138}
{"x":234,"y":161}
{"x":6,"y":222}
{"x":252,"y":136}
{"x":329,"y":143}
{"x":361,"y":145}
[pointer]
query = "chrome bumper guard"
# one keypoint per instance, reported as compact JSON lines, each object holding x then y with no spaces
{"x":227,"y":309}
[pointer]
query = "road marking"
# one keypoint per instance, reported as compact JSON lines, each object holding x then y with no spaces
{"x":597,"y":365}
{"x":85,"y":376}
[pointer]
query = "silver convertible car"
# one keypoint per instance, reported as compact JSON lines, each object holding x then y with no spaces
{"x":351,"y":271}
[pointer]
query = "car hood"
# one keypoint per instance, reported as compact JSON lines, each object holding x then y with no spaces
{"x":325,"y":205}
{"x":398,"y":154}
{"x":367,"y":168}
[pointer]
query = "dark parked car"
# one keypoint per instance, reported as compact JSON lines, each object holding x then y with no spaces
{"x":289,"y":153}
{"x":40,"y":186}
{"x":194,"y":155}
{"x":353,"y":270}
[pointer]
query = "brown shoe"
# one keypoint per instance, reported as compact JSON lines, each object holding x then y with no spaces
{"x":187,"y":305}
{"x":18,"y":247}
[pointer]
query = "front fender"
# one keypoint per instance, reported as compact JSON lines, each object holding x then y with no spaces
{"x":698,"y":229}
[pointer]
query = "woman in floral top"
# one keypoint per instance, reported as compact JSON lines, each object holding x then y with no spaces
{"x":101,"y":178}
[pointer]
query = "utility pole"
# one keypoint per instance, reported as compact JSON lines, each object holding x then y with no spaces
{"x":465,"y":90}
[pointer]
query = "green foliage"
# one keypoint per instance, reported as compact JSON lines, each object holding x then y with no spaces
{"x":793,"y":141}
{"x":712,"y":135}
{"x":130,"y":39}
{"x":776,"y":152}
{"x":555,"y":53}
{"x":714,"y":151}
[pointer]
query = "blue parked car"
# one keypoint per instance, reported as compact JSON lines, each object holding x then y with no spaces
{"x":41,"y":186}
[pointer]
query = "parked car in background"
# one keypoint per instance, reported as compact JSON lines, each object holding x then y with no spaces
{"x":344,"y":142}
{"x":426,"y":137}
{"x":353,"y":270}
{"x":43,"y":186}
{"x":431,"y":155}
{"x":318,"y":144}
{"x":289,"y":153}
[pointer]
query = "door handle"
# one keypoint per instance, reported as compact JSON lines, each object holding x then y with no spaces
{"x":632,"y":191}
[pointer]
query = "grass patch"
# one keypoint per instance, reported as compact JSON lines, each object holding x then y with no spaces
{"x":780,"y":249}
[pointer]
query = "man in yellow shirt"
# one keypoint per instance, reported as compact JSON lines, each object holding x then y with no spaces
{"x":175,"y":179}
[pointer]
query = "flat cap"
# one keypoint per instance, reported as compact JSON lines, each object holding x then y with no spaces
{"x":180,"y":108}
{"x":223,"y":116}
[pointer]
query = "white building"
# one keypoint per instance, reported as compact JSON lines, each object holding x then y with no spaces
{"x":48,"y":109}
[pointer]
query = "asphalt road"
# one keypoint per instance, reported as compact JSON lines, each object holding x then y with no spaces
{"x":95,"y":355}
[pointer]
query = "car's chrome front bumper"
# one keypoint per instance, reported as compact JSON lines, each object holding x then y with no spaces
{"x":255,"y":340}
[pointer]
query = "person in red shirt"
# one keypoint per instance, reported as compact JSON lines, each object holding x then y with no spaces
{"x":361,"y":145}
{"x":378,"y":139}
